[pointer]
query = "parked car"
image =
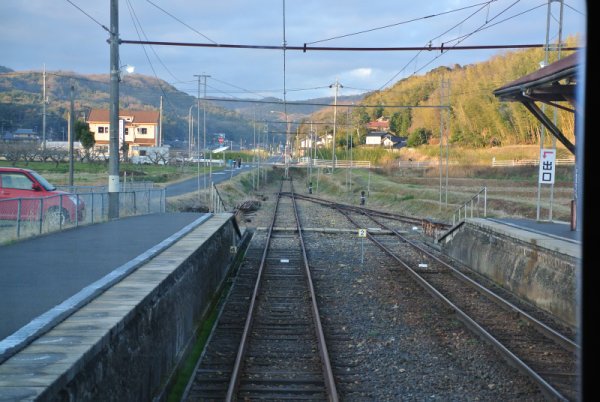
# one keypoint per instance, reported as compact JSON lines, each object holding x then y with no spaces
{"x":26,"y":195}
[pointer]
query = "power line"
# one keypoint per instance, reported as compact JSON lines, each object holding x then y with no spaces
{"x":468,"y":35}
{"x":499,"y":22}
{"x":429,"y":43}
{"x":134,"y":20}
{"x":181,"y":22}
{"x":577,"y":11}
{"x":89,"y":16}
{"x":459,"y":39}
{"x":296,"y":103}
{"x":400,"y":23}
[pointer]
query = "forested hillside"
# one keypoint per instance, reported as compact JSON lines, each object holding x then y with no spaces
{"x":478,"y":119}
{"x":21,"y":103}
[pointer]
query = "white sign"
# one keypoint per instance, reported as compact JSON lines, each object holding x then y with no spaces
{"x":547,"y":166}
{"x":362,"y":232}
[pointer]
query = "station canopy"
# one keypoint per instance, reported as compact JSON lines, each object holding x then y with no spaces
{"x":553,"y":84}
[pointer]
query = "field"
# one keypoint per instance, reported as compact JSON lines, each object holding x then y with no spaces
{"x":511,"y":191}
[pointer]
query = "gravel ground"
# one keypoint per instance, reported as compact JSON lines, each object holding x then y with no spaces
{"x":398,"y":343}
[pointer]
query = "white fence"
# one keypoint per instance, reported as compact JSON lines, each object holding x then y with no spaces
{"x":423,"y":164}
{"x":340,"y":163}
{"x":530,"y":162}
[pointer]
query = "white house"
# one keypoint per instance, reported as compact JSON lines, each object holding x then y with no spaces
{"x":139,"y":127}
{"x":375,"y":138}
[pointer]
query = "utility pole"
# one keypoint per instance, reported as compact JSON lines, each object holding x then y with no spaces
{"x":44,"y":109}
{"x":204,"y":130}
{"x":444,"y":87}
{"x":71,"y":133}
{"x":113,"y":165}
{"x":337,"y":86}
{"x":198,"y":144}
{"x":200,"y":76}
{"x":160,"y":117}
{"x":547,"y":48}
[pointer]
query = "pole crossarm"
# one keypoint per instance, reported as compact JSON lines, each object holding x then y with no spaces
{"x":304,"y":48}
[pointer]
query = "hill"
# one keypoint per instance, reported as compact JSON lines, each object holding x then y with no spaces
{"x":21,"y":103}
{"x":477,"y":118}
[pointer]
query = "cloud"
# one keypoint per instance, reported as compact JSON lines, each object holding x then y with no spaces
{"x":361,"y":73}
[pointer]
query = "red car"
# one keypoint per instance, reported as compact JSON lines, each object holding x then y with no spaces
{"x":26,"y":194}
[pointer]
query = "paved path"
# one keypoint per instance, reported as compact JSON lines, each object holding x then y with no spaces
{"x":40,"y":273}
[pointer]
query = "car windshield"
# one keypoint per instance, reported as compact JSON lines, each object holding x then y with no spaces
{"x":43,"y":182}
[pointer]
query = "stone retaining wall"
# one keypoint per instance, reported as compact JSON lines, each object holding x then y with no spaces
{"x":542,"y":276}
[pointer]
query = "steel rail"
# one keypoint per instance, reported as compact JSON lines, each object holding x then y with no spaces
{"x":538,"y":325}
{"x":402,"y":218}
{"x":235,"y":374}
{"x":325,"y":361}
{"x":327,"y":370}
{"x":513,"y":359}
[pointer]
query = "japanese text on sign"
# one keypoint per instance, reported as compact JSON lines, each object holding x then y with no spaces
{"x":547,"y":164}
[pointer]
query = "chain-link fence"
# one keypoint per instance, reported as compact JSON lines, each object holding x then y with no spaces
{"x":25,"y":217}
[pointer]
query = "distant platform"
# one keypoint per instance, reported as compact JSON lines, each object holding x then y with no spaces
{"x":554,"y":236}
{"x":561,"y":230}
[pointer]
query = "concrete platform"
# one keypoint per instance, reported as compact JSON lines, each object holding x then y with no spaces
{"x":535,"y":261}
{"x":555,"y":236}
{"x":46,"y":278}
{"x":137,"y":328}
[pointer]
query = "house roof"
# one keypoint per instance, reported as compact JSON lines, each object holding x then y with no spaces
{"x":378,"y":124}
{"x":544,"y":84}
{"x":138,"y":116}
{"x":553,"y":83}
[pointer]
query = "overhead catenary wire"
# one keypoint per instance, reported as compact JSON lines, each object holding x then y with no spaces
{"x":337,"y":49}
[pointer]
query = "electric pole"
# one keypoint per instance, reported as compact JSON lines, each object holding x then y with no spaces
{"x":337,"y":86}
{"x":160,"y":117}
{"x":113,"y":165}
{"x":44,"y":109}
{"x":71,"y":133}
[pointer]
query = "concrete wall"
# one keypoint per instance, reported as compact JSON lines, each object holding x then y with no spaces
{"x":125,"y":344}
{"x":543,"y":276}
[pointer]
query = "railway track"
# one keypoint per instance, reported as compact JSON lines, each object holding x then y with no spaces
{"x":275,"y":348}
{"x":545,"y":355}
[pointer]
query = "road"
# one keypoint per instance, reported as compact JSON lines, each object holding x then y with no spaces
{"x":191,"y":185}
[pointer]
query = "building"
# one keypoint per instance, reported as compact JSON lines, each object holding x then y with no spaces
{"x":381,"y":124}
{"x":387,"y":140}
{"x":375,"y":138}
{"x":139,"y":127}
{"x":21,"y":134}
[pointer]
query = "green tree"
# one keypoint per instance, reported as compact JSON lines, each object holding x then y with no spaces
{"x":400,"y":122}
{"x":84,"y":136}
{"x":418,"y":137}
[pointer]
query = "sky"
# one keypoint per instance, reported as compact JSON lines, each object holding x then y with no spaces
{"x":68,"y":35}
